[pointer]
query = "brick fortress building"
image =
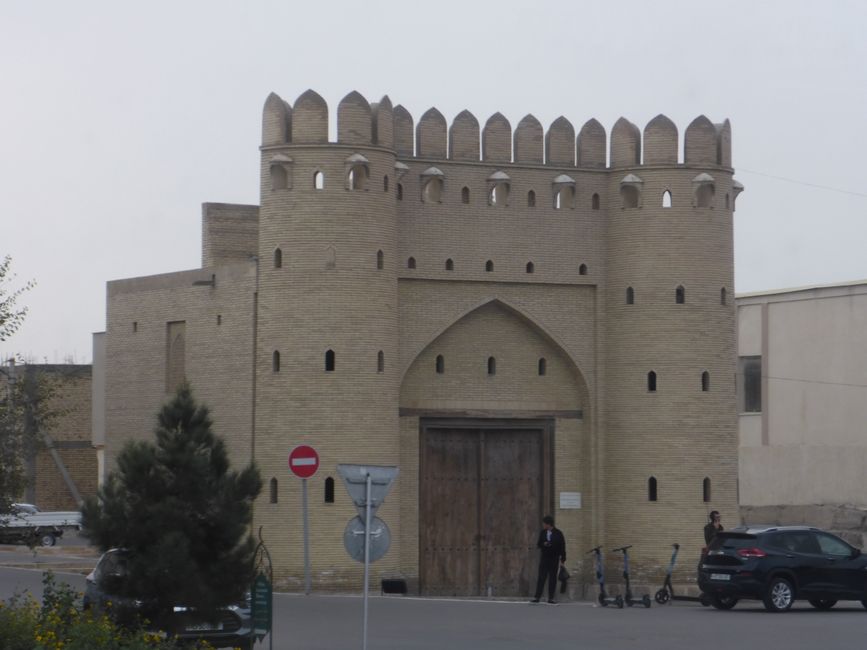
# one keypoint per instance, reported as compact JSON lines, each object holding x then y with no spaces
{"x":524,"y":327}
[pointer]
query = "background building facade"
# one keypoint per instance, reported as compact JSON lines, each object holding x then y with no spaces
{"x":802,"y":381}
{"x":525,"y":321}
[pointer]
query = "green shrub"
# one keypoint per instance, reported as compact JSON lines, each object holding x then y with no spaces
{"x":61,"y":624}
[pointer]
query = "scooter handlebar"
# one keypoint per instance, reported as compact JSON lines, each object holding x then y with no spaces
{"x":622,"y":548}
{"x":594,"y":550}
{"x":676,"y":546}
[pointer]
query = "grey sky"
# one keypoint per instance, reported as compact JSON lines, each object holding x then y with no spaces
{"x":119,"y":119}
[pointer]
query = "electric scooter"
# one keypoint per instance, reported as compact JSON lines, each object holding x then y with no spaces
{"x":604,"y":599}
{"x":667,"y":594}
{"x":629,"y":600}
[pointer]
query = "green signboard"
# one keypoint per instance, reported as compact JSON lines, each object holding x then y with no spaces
{"x":262,"y":600}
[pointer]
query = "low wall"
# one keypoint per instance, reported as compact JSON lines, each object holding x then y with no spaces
{"x":846,"y":521}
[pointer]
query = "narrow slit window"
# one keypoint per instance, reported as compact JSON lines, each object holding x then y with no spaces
{"x":273,"y":490}
{"x":318,"y":181}
{"x":666,"y":199}
{"x":531,"y":199}
{"x":440,"y":364}
{"x":278,"y":259}
{"x":543,"y":367}
{"x":651,"y":489}
{"x":680,"y":295}
{"x":385,"y":183}
{"x":450,"y":265}
{"x":489,"y":266}
{"x":705,"y":490}
{"x":630,"y":296}
{"x":135,"y":326}
{"x":530,"y":267}
{"x":219,"y":319}
{"x":651,"y":382}
{"x":275,"y":361}
{"x":492,"y":366}
{"x":329,"y":490}
{"x":722,"y":296}
{"x":329,"y":361}
{"x":465,"y":195}
{"x":380,"y":361}
{"x":705,"y":381}
{"x":380,"y":260}
{"x":582,"y":270}
{"x":410,"y":263}
{"x":399,"y":192}
{"x":594,"y":202}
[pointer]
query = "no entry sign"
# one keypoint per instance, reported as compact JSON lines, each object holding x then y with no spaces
{"x":303,"y":461}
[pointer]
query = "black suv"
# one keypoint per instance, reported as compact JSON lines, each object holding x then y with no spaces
{"x":106,"y":582}
{"x":781,"y":564}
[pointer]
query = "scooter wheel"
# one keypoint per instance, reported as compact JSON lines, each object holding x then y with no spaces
{"x":618,"y":600}
{"x":602,"y":600}
{"x":645,"y":600}
{"x":662,"y":596}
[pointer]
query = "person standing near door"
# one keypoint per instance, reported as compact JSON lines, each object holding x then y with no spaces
{"x":552,"y":546}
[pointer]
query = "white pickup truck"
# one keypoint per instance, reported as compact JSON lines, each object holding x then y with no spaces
{"x":27,"y":525}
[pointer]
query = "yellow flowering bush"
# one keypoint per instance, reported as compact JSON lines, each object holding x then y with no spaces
{"x":61,"y":624}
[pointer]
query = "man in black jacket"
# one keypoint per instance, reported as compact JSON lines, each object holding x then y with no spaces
{"x":553,"y":547}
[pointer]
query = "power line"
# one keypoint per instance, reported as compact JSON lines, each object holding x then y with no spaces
{"x":797,"y":182}
{"x":817,"y":381}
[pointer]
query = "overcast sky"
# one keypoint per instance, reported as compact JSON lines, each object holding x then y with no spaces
{"x":118,"y":119}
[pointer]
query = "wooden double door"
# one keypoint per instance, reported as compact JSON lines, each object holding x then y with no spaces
{"x":484,"y":488}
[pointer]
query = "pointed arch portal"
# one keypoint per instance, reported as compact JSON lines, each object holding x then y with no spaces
{"x":486,"y":440}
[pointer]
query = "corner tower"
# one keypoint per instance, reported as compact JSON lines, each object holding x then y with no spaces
{"x":671,"y":427}
{"x":326,"y":340}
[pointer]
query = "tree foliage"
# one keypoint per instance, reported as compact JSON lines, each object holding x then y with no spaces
{"x":11,"y":316}
{"x":181,"y":512}
{"x":29,"y":407}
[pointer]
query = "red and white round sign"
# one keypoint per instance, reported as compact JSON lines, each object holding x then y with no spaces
{"x":303,"y":461}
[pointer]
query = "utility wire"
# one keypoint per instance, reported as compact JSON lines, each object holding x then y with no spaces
{"x":797,"y":182}
{"x":817,"y":381}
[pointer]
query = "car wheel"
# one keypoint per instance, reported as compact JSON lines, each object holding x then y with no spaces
{"x":780,"y":595}
{"x":47,"y":539}
{"x":662,"y":596}
{"x":823,"y":603}
{"x":723,"y":602}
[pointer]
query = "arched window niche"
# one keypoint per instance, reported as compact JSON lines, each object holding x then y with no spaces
{"x":357,"y":172}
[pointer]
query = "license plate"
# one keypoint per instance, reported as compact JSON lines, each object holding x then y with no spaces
{"x":720,"y":576}
{"x":204,"y":627}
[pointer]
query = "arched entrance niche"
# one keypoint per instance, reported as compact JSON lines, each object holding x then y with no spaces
{"x":493,"y":443}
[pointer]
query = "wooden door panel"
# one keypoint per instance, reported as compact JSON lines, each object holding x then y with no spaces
{"x":450,"y":525}
{"x":511,"y":497}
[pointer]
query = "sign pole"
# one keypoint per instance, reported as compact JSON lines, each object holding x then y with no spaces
{"x":306,"y":537}
{"x":366,"y":559}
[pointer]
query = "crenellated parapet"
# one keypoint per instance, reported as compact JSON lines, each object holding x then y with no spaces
{"x":360,"y":123}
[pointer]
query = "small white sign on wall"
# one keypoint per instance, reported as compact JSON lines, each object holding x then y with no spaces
{"x":570,"y":501}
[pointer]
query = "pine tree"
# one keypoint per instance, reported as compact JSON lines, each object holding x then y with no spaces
{"x":180,"y":511}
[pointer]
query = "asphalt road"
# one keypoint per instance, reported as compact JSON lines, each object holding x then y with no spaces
{"x":398,"y":623}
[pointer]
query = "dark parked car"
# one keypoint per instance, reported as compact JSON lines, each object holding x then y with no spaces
{"x":781,"y":564}
{"x":105,"y":584}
